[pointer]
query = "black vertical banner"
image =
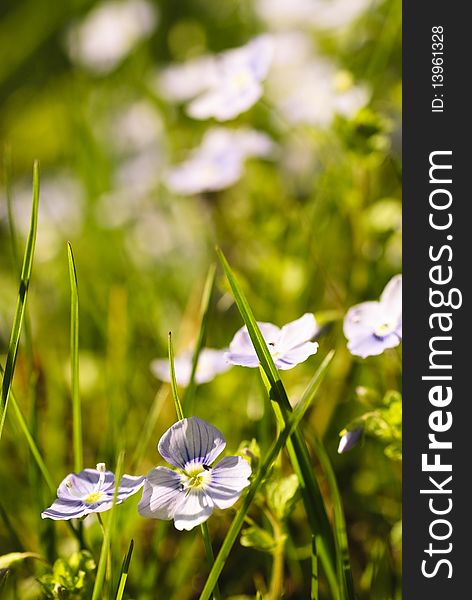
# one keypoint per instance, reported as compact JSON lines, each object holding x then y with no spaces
{"x":437,"y":358}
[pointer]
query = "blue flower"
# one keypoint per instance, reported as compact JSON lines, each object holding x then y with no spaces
{"x":288,"y":346}
{"x":90,"y":491}
{"x":372,"y":327}
{"x":223,"y":86}
{"x":189,"y":493}
{"x":349,"y":439}
{"x":219,"y":161}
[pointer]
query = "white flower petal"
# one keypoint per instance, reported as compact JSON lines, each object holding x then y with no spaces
{"x":294,"y":357}
{"x":370,"y":345}
{"x":161,"y":493}
{"x":362,"y":319}
{"x":191,"y":441}
{"x":63,"y":510}
{"x":391,"y":299}
{"x":210,"y":363}
{"x":192,"y":510}
{"x":228,"y":479}
{"x":183,"y":367}
{"x":297,"y":332}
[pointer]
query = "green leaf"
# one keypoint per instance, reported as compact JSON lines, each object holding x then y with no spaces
{"x":281,"y":495}
{"x":7,"y":561}
{"x":257,"y":538}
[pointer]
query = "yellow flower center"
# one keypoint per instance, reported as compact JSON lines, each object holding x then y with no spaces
{"x":196,"y":477}
{"x":383,"y":329}
{"x":93,"y":497}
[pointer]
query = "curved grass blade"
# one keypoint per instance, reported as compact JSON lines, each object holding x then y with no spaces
{"x":124,"y":572}
{"x":297,"y":449}
{"x":204,"y":315}
{"x":104,"y":552}
{"x":293,"y":422}
{"x":173,"y":382}
{"x":21,"y":302}
{"x":74,"y":362}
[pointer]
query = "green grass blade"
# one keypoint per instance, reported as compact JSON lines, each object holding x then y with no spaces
{"x":124,"y":572}
{"x":102,"y":563}
{"x":340,"y":534}
{"x":74,"y":362}
{"x":204,"y":316}
{"x":21,"y":303}
{"x":297,"y":449}
{"x":210,"y":556}
{"x":173,"y":382}
{"x":260,"y":346}
{"x":238,"y":521}
{"x":314,"y":595}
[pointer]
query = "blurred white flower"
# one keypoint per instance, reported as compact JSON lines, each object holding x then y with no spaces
{"x":109,"y":32}
{"x":320,"y":14}
{"x":210,"y":363}
{"x":218,"y":162}
{"x":223,"y":86}
{"x":306,"y":88}
{"x":60,"y":217}
{"x":183,"y":82}
{"x":135,"y":127}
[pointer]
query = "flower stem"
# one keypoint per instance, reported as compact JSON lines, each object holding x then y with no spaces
{"x":210,"y":555}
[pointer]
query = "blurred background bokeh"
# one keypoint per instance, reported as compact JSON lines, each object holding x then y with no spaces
{"x":310,"y":224}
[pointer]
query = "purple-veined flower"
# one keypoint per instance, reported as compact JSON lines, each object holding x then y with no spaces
{"x":349,"y":439}
{"x":90,"y":491}
{"x":372,"y":327}
{"x":218,"y":162}
{"x":289,"y":345}
{"x":223,"y":86}
{"x":210,"y":363}
{"x":189,"y":493}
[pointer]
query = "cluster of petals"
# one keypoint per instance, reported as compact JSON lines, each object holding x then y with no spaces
{"x":219,"y":161}
{"x":372,"y":327}
{"x":90,"y":491}
{"x":191,"y":491}
{"x":289,"y":346}
{"x":221,"y":86}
